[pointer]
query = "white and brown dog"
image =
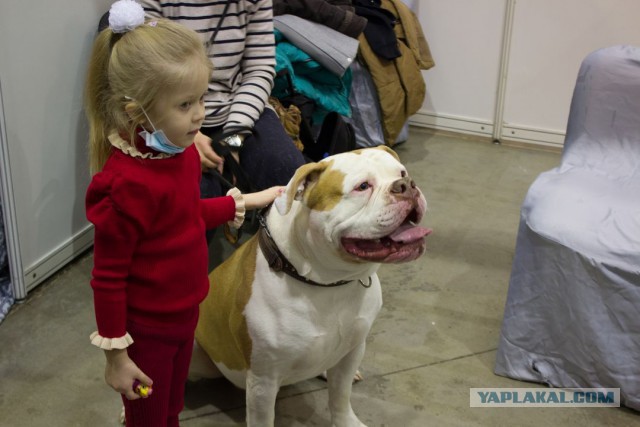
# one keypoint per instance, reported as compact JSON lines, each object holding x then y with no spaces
{"x":300,"y":297}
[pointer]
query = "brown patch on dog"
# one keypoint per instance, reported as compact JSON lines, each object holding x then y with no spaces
{"x":325,"y":192}
{"x":222,"y":329}
{"x":303,"y":173}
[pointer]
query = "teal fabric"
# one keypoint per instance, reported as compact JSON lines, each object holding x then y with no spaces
{"x":328,"y":91}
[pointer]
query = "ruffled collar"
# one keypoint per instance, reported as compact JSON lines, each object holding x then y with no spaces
{"x":118,"y":142}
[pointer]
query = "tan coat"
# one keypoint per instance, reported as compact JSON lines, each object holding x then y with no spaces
{"x":399,"y":82}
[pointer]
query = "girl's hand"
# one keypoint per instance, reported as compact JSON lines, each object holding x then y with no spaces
{"x":121,"y":372}
{"x":262,"y":198}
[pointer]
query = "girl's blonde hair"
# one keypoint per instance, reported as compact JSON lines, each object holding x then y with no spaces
{"x":136,"y":66}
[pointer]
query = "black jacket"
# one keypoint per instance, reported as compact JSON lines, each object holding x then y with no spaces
{"x":336,"y":14}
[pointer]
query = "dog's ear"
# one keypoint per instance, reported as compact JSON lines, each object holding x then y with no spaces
{"x":298,"y":185}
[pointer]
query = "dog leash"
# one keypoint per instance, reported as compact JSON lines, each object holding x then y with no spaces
{"x":278,"y":262}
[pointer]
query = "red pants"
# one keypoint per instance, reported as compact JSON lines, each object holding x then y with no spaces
{"x":164,"y":355}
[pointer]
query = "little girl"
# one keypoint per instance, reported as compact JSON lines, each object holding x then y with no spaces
{"x":144,"y":102}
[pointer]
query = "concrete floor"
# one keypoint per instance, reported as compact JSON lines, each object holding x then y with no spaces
{"x":435,"y":338}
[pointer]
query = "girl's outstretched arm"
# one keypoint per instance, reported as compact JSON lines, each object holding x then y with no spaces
{"x":262,"y":198}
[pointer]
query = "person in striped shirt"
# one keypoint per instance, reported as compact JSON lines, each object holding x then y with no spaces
{"x":238,"y":36}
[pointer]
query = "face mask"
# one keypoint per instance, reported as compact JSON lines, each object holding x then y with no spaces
{"x":158,"y":140}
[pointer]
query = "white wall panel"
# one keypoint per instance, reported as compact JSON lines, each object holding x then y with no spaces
{"x":43,"y":54}
{"x":550,"y":39}
{"x":465,"y":37}
{"x":546,"y":43}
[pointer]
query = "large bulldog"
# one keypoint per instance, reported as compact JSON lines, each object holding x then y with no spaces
{"x":300,"y":297}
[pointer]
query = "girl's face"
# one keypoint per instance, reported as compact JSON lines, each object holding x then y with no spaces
{"x":179,"y":112}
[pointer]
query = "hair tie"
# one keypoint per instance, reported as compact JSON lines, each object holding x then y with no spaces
{"x":125,"y":15}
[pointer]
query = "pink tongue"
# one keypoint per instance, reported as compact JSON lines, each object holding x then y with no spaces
{"x":409,"y":233}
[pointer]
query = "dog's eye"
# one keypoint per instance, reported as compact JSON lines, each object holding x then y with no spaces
{"x":363,"y":186}
{"x":403,"y":174}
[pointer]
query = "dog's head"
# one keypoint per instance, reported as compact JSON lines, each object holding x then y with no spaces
{"x":361,"y":204}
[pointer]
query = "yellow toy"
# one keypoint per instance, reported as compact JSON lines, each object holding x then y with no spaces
{"x":142,"y":390}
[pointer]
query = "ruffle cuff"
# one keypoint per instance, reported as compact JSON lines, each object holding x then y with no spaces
{"x":111,"y":343}
{"x":240,"y":209}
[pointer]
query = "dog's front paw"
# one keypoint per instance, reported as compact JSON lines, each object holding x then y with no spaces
{"x":357,"y":377}
{"x":354,"y":422}
{"x":348,"y":419}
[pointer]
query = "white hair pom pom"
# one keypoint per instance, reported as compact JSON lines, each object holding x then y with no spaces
{"x":125,"y":15}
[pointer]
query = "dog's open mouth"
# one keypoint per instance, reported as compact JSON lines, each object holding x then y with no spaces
{"x":406,"y":243}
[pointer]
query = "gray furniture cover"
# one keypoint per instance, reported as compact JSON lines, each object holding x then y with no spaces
{"x":572,"y":315}
{"x":332,"y":49}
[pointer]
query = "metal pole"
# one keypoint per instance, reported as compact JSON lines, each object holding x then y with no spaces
{"x":504,"y":70}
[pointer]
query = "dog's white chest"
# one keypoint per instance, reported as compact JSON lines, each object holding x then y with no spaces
{"x":307,"y":329}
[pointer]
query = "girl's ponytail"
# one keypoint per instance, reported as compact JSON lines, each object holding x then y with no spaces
{"x":97,"y":94}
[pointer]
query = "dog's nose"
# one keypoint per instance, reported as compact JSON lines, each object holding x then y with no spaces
{"x":402,"y":185}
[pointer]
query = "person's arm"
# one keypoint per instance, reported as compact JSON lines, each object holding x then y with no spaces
{"x":118,"y":210}
{"x":261,"y":199}
{"x":216,"y":211}
{"x":114,"y":241}
{"x":258,"y":69}
{"x":232,"y":207}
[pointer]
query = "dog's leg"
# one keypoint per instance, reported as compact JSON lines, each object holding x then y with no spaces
{"x":261,"y":400}
{"x":340,"y":380}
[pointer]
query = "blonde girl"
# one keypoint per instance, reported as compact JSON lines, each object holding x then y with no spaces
{"x":144,"y":102}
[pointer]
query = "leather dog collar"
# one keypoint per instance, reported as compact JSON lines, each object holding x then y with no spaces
{"x":278,"y":262}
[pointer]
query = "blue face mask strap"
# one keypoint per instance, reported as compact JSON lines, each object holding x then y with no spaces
{"x":143,"y":112}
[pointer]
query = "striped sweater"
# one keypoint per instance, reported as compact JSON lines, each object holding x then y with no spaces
{"x":242,"y":53}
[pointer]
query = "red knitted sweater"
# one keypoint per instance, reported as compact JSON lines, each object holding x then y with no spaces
{"x":150,"y":250}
